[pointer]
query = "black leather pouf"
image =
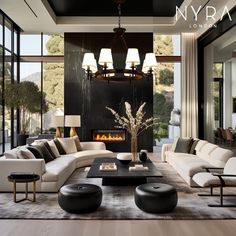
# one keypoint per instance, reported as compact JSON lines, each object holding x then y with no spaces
{"x":156,"y":197}
{"x":80,"y":198}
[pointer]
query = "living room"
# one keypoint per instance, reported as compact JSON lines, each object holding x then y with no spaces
{"x":156,"y":108}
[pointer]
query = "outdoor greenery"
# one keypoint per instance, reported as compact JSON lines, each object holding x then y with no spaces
{"x":163,"y":86}
{"x":26,"y":97}
{"x":53,"y":76}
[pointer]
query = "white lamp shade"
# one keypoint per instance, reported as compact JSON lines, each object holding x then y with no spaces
{"x":133,"y":56}
{"x":105,"y":56}
{"x":72,"y":121}
{"x":58,"y":121}
{"x":150,"y":60}
{"x":88,"y":60}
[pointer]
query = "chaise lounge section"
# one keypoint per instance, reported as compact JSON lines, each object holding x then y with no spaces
{"x":187,"y":165}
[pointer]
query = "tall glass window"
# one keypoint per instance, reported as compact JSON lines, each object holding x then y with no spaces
{"x":47,"y":72}
{"x":166,"y":87}
{"x":9,"y":32}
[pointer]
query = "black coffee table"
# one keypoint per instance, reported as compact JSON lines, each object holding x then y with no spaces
{"x":122,"y":177}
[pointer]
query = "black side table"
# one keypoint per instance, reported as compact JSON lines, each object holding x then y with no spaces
{"x":24,"y":177}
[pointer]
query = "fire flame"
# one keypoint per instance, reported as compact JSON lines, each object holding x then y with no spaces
{"x":109,"y":137}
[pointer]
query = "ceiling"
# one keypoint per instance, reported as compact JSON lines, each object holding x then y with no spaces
{"x":155,"y":16}
{"x":159,"y":8}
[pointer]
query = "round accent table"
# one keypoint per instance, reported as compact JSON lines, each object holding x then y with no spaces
{"x":24,"y":177}
{"x":156,"y":197}
{"x":80,"y":198}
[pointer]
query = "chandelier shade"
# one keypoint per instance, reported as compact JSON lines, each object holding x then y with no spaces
{"x":106,"y":70}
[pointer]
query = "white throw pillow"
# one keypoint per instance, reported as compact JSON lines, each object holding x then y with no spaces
{"x":54,"y":148}
{"x":12,"y":154}
{"x":24,"y":153}
{"x":68,"y":144}
{"x":38,"y":141}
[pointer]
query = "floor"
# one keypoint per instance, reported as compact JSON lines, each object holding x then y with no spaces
{"x":117,"y":227}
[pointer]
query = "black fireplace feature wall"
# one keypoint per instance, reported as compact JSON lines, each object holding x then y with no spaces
{"x":90,"y":98}
{"x":109,"y":135}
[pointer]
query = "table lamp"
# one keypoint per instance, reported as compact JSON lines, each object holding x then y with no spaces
{"x":58,"y":122}
{"x":72,"y":121}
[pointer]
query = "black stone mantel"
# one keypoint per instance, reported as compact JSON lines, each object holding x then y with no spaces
{"x":89,"y":99}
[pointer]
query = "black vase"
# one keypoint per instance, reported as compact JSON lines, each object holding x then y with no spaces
{"x":143,"y":156}
{"x":21,"y":139}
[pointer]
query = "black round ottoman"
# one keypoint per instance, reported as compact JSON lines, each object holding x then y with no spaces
{"x":156,"y":197}
{"x":80,"y":198}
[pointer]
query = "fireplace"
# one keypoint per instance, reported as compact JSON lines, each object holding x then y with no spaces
{"x":109,"y":135}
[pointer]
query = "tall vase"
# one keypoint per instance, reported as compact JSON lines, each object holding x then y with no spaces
{"x":134,"y":146}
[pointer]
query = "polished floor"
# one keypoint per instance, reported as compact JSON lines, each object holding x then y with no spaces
{"x":117,"y":228}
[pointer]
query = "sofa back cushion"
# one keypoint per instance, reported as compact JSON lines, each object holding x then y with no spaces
{"x":200,"y":145}
{"x":230,"y":167}
{"x":11,"y":154}
{"x":54,"y":148}
{"x":183,"y":145}
{"x":59,"y":147}
{"x":77,"y":143}
{"x":68,"y":145}
{"x":206,"y":150}
{"x":220,"y":156}
{"x":25,"y":153}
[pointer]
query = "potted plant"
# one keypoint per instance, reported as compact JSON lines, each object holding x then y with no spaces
{"x":26,"y":97}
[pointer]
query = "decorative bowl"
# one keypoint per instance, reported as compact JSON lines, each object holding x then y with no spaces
{"x":124,"y":158}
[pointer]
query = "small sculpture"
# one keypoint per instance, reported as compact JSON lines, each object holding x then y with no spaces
{"x":175,"y":117}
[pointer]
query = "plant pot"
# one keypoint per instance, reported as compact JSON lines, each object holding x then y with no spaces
{"x":21,"y":139}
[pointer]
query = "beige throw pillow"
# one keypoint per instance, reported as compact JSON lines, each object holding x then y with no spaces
{"x":77,"y":143}
{"x":54,"y":148}
{"x":12,"y":154}
{"x":24,"y":153}
{"x":68,"y":145}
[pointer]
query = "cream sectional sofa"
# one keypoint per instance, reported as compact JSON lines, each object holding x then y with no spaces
{"x":187,"y":165}
{"x":54,"y":173}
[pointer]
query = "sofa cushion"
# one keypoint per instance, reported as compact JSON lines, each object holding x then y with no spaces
{"x":59,"y":147}
{"x":55,"y":169}
{"x":193,"y":147}
{"x":205,"y":151}
{"x":11,"y":154}
{"x":25,"y":153}
{"x":206,"y":179}
{"x":54,"y":148}
{"x":68,"y":145}
{"x":77,"y":143}
{"x":200,"y":144}
{"x":183,"y":145}
{"x":37,"y":153}
{"x":220,"y":156}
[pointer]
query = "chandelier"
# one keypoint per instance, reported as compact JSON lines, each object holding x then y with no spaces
{"x":107,"y":71}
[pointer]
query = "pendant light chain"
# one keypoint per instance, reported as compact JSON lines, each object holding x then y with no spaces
{"x":119,"y":14}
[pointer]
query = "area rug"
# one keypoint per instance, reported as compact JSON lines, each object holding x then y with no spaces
{"x":118,"y":202}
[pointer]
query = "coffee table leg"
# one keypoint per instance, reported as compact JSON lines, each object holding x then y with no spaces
{"x":34,"y":191}
{"x":26,"y":190}
{"x":14,"y":190}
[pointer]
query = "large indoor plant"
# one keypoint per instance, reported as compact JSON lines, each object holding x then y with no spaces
{"x":134,"y":124}
{"x":26,"y":97}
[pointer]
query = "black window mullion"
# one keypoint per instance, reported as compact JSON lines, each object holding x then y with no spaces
{"x":41,"y":84}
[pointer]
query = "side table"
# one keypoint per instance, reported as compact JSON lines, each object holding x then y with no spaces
{"x":24,"y":177}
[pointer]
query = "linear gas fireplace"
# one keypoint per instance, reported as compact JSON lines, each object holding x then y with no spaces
{"x":109,"y":135}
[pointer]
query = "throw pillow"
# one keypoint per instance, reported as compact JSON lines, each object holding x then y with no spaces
{"x":11,"y":154}
{"x":25,"y":153}
{"x":59,"y":147}
{"x":68,"y":145}
{"x":77,"y":143}
{"x":50,"y":150}
{"x":37,"y":153}
{"x":54,"y":148}
{"x":192,"y":149}
{"x":183,"y":145}
{"x":46,"y":154}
